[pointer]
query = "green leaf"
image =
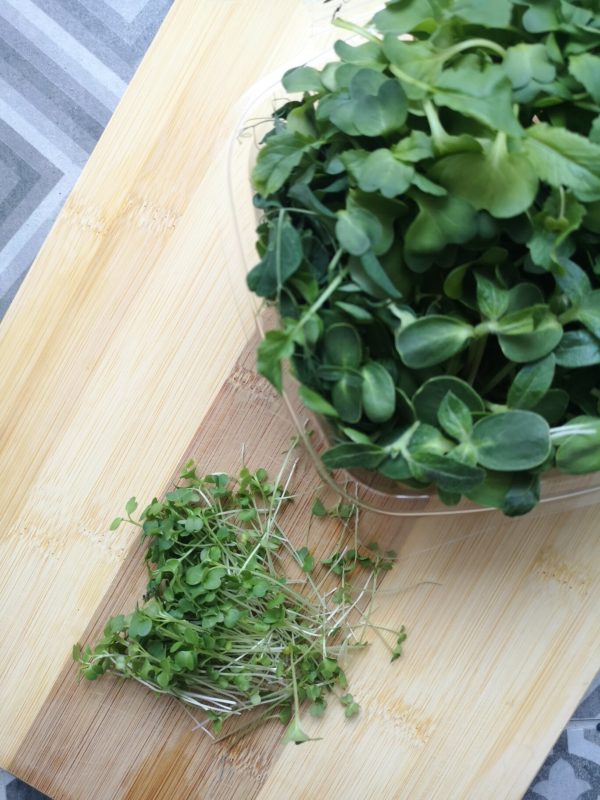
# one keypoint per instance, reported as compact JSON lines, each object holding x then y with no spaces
{"x":402,"y":16}
{"x":365,"y":54}
{"x":318,"y":509}
{"x":440,"y":221}
{"x":495,"y":180}
{"x":578,"y":348}
{"x":589,"y":312}
{"x":522,"y":495}
{"x":374,"y":105}
{"x":316,"y":402}
{"x":511,"y":441}
{"x":277,"y":159}
{"x":185,"y":659}
{"x":381,"y":172}
{"x":378,"y":276}
{"x":281,"y":260}
{"x":560,"y":216}
{"x":482,"y":12}
{"x":585,"y":67}
{"x":483,"y":93}
{"x":276,"y":346}
{"x":430,"y":395}
{"x":346,"y":396}
{"x":417,"y":146}
{"x":302,"y":79}
{"x":491,"y":299}
{"x":139,"y":626}
{"x":454,"y":417}
{"x":213,"y":578}
{"x":431,"y":340}
{"x":448,"y":474}
{"x":351,"y":455}
{"x":115,"y":523}
{"x":529,"y":70}
{"x":357,"y":230}
{"x":306,"y":560}
{"x":552,"y":406}
{"x":529,"y":334}
{"x":194,"y":575}
{"x":540,"y":18}
{"x":563,"y":158}
{"x":579,"y":453}
{"x":131,"y":505}
{"x":378,"y":392}
{"x":342,"y":345}
{"x":531,"y":383}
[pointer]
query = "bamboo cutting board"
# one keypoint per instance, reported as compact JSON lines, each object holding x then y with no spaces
{"x":125,"y":352}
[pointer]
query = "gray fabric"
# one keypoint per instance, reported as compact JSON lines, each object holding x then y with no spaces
{"x":63,"y":67}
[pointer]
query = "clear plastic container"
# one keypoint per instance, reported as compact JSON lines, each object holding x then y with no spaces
{"x":371,"y":490}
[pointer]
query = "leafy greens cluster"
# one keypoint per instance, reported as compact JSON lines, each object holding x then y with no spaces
{"x":430,"y":232}
{"x":223,"y":629}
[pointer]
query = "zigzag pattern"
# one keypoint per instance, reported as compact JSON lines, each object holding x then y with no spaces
{"x":64,"y":65}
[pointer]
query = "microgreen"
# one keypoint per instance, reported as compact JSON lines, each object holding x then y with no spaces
{"x":235,"y":618}
{"x":430,"y":234}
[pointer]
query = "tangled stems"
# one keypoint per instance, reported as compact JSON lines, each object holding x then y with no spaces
{"x":224,"y":628}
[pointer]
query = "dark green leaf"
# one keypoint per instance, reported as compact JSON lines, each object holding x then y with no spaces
{"x":578,"y":348}
{"x":281,"y":260}
{"x":440,"y":221}
{"x":511,"y":441}
{"x":579,"y":453}
{"x":316,"y":402}
{"x":346,"y":395}
{"x":454,"y":417}
{"x":430,"y":395}
{"x":378,"y":392}
{"x":448,"y":474}
{"x":531,"y":383}
{"x":351,"y":455}
{"x":432,"y":340}
{"x":342,"y":346}
{"x":276,"y":346}
{"x":277,"y":160}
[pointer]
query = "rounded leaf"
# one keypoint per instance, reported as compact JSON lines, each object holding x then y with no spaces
{"x":579,"y":453}
{"x":512,"y":440}
{"x":378,"y":392}
{"x":431,"y":340}
{"x":428,"y":398}
{"x":343,"y":346}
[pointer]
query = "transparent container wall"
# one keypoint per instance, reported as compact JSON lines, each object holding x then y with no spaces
{"x":371,"y":490}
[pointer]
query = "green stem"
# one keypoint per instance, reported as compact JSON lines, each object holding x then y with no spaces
{"x":469,"y":43}
{"x":570,"y":315}
{"x":438,"y":132}
{"x":326,"y":294}
{"x":353,"y":28}
{"x":498,"y":378}
{"x":404,"y":76}
{"x":475,"y":358}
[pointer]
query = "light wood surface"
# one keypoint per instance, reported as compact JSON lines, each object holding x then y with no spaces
{"x":126,"y":351}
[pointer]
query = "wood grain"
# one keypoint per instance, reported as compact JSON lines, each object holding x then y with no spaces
{"x":126,"y":351}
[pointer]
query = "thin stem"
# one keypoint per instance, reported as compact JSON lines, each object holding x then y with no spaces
{"x":353,"y":28}
{"x":476,"y":357}
{"x":498,"y":378}
{"x":470,"y":43}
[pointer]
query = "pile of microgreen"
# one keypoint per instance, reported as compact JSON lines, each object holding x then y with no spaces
{"x":225,"y":627}
{"x":430,"y":235}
